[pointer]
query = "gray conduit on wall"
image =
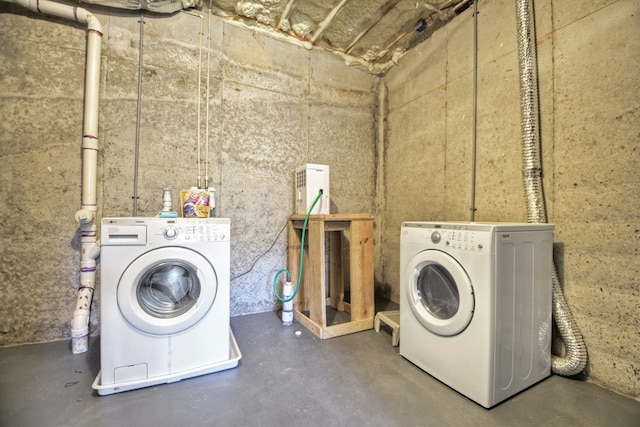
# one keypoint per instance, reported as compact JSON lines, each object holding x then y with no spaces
{"x":575,"y":359}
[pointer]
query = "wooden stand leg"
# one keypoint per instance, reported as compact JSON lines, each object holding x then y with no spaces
{"x":316,"y":280}
{"x":336,"y":271}
{"x":361,"y":270}
{"x":293,"y":262}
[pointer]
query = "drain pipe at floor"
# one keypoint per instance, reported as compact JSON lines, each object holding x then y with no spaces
{"x":86,"y":216}
{"x":575,"y":359}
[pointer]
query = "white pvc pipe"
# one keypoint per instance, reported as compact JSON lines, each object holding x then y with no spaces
{"x":86,"y":216}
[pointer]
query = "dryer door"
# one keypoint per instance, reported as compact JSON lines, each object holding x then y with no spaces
{"x":440,"y":293}
{"x":167,"y":290}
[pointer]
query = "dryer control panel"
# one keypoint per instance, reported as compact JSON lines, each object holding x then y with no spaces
{"x":463,"y":239}
{"x":466,"y":237}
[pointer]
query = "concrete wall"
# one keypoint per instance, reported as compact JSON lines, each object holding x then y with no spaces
{"x":273,"y":106}
{"x":589,"y":54}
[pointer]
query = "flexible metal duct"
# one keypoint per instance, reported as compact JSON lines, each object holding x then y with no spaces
{"x":575,"y":358}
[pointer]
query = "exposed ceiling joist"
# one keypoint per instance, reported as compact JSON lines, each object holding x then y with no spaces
{"x":328,"y":19}
{"x":382,"y":12}
{"x":373,"y":34}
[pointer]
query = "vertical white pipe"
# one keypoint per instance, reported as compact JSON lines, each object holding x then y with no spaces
{"x":90,"y":246}
{"x":86,"y":216}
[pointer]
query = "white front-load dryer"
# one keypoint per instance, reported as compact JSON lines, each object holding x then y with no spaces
{"x":475,"y":305}
{"x":164,"y":301}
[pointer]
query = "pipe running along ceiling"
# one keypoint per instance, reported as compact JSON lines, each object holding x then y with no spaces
{"x":372,"y":34}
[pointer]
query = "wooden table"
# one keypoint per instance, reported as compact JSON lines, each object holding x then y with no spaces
{"x":310,"y":304}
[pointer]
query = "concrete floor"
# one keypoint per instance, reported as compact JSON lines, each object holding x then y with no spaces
{"x":286,"y":380}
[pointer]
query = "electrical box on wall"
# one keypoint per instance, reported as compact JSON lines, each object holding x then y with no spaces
{"x":309,"y":180}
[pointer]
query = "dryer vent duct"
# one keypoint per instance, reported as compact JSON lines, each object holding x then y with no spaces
{"x":575,"y":358}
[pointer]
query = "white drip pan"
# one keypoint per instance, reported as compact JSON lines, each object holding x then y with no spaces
{"x":232,"y":362}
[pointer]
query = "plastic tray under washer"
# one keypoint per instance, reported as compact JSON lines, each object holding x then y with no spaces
{"x":232,"y":362}
{"x":391,"y":318}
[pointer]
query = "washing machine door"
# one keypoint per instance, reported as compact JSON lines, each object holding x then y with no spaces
{"x":440,"y":293}
{"x":167,"y":290}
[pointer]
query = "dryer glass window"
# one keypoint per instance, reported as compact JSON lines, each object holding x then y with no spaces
{"x":168,"y":289}
{"x":438,"y":291}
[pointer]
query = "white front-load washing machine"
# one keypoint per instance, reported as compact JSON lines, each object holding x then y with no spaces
{"x":164,"y":301}
{"x":475,"y":305}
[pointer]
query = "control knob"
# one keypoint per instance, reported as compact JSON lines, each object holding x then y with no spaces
{"x":170,"y":233}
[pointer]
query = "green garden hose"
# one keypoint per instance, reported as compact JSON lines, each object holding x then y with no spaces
{"x":275,"y":279}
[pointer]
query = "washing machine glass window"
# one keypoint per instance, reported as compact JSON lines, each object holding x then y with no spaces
{"x":440,"y":293}
{"x":168,"y":289}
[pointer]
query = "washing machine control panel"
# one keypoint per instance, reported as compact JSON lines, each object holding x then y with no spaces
{"x":196,"y":233}
{"x":205,"y":232}
{"x":189,"y":233}
{"x":135,"y":231}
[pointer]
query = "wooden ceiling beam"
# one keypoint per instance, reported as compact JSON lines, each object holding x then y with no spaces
{"x":283,"y":24}
{"x":373,"y":22}
{"x":322,"y":26}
